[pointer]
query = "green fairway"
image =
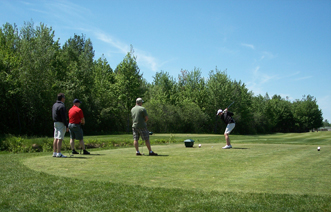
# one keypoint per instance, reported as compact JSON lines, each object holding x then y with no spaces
{"x":271,"y":168}
{"x":280,"y":172}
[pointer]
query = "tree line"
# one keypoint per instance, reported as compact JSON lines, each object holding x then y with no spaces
{"x":34,"y":68}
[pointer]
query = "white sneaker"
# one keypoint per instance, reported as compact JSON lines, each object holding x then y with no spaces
{"x":59,"y":155}
{"x":227,"y":147}
{"x":54,"y":154}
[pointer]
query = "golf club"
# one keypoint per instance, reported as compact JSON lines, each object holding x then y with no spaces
{"x":230,"y":105}
{"x":67,"y":150}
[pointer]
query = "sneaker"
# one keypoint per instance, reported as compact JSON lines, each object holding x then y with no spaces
{"x":227,"y":147}
{"x":54,"y":154}
{"x":74,"y":152}
{"x":59,"y":155}
{"x":153,"y":154}
{"x":138,"y":154}
{"x":85,"y":152}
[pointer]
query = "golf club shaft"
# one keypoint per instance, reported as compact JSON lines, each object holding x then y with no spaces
{"x":230,"y":105}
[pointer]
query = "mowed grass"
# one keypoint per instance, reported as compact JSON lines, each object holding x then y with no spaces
{"x":281,"y":172}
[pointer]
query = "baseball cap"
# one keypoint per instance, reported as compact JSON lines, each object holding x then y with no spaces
{"x":219,"y":111}
{"x":138,"y":100}
{"x":77,"y":101}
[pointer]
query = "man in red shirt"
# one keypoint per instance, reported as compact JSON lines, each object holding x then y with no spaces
{"x":76,"y":119}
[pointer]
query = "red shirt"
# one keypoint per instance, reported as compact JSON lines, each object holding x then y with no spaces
{"x":75,"y":115}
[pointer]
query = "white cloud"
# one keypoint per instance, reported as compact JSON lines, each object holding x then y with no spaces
{"x":143,"y":58}
{"x":248,"y":45}
{"x":259,"y":79}
{"x":113,"y":42}
{"x":267,"y":55}
{"x":75,"y":17}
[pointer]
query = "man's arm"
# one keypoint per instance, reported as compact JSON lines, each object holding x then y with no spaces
{"x":82,"y":121}
{"x":146,"y":118}
{"x":63,"y":112}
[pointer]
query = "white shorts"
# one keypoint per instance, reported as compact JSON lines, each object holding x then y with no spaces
{"x":229,"y":128}
{"x":59,"y":130}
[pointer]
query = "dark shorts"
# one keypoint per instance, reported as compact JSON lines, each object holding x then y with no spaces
{"x":76,"y":131}
{"x":144,"y":133}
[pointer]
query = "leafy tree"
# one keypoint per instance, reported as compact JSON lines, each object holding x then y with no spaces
{"x":326,"y":123}
{"x":128,"y":86}
{"x":260,"y":121}
{"x":164,"y":88}
{"x":307,"y":115}
{"x":279,"y":114}
{"x":77,"y":80}
{"x":103,"y":104}
{"x":38,"y":58}
{"x":218,"y":92}
{"x":192,"y":87}
{"x":9,"y":83}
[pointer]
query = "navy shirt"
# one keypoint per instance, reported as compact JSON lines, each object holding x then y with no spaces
{"x":227,"y":117}
{"x":59,"y":113}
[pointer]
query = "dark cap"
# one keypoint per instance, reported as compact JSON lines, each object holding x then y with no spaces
{"x":77,"y":101}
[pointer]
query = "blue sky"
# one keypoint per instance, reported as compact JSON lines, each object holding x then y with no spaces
{"x":277,"y":47}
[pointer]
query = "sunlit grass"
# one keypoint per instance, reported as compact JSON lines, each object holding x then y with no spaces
{"x":280,"y":172}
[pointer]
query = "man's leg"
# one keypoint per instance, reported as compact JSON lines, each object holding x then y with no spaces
{"x":148,"y":144}
{"x":227,"y":139}
{"x":59,"y":145}
{"x":72,"y":144}
{"x":54,"y":145}
{"x":136,"y":145}
{"x":82,"y":144}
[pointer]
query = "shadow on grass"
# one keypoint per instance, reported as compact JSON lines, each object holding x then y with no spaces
{"x":239,"y":148}
{"x":73,"y":157}
{"x":157,"y":155}
{"x":96,"y":154}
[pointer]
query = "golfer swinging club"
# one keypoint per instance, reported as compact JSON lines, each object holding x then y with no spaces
{"x":226,"y":116}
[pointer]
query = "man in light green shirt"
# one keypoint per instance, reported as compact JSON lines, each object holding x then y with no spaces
{"x":139,"y":126}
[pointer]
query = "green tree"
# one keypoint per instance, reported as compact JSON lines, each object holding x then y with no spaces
{"x":163,"y":88}
{"x":38,"y":58}
{"x":307,"y":114}
{"x":128,"y":86}
{"x":9,"y":83}
{"x":279,"y":114}
{"x":192,"y":87}
{"x":260,"y":121}
{"x":77,"y":79}
{"x":326,"y":123}
{"x":103,"y":96}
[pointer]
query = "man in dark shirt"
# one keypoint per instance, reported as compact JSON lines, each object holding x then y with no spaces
{"x":230,"y":124}
{"x":59,"y":114}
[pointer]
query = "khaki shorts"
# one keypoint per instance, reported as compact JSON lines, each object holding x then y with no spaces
{"x":229,"y":128}
{"x":59,"y":130}
{"x":144,"y":133}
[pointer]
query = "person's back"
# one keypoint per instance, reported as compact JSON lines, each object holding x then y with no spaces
{"x":139,"y":126}
{"x":138,"y":114}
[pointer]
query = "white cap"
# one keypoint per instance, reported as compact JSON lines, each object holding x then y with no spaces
{"x":219,"y":111}
{"x":138,"y":100}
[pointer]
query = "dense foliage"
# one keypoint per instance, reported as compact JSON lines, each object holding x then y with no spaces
{"x":34,"y":68}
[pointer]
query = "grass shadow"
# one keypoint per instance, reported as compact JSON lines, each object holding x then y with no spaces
{"x":73,"y":157}
{"x":239,"y":148}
